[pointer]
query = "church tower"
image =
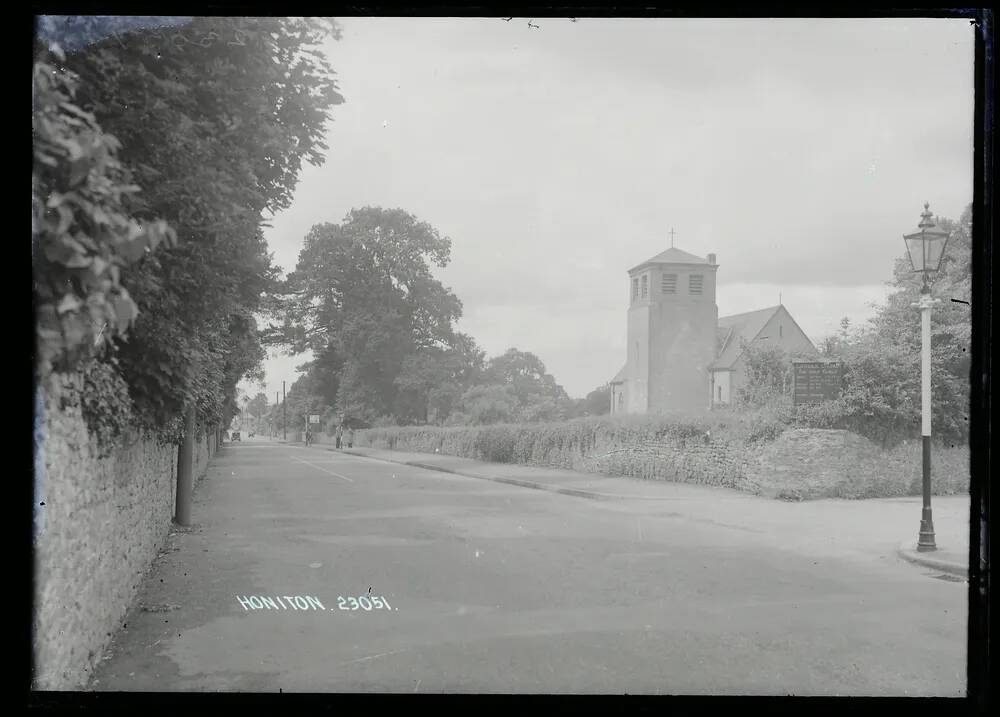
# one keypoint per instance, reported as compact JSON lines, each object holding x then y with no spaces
{"x":672,"y":320}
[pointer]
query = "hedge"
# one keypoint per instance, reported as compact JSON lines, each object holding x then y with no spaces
{"x":722,"y":448}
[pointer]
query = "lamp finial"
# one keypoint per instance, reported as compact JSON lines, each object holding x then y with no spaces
{"x":926,"y":218}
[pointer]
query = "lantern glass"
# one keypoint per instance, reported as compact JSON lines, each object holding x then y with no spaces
{"x":934,"y":250}
{"x":926,"y":249}
{"x":915,"y":248}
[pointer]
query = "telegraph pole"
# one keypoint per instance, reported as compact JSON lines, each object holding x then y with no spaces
{"x":185,"y":479}
{"x":284,"y":416}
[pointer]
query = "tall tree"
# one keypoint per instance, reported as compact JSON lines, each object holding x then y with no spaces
{"x":525,"y":373}
{"x":882,"y":396}
{"x":364,"y":297}
{"x":515,"y":386}
{"x":896,"y":324}
{"x":215,"y":118}
{"x":432,"y":380}
{"x":598,"y":401}
{"x":258,"y":405}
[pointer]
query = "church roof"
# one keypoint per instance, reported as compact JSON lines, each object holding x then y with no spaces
{"x":672,"y":256}
{"x":745,"y":326}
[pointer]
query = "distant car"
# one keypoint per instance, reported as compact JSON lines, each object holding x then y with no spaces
{"x":236,"y":435}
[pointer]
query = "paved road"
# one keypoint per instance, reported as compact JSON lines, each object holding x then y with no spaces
{"x":497,"y":588}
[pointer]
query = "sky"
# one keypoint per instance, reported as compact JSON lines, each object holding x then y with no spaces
{"x":557,"y":157}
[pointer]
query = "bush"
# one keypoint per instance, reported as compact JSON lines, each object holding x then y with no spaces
{"x":676,"y":447}
{"x":105,"y":403}
{"x":880,"y":398}
{"x":720,"y":449}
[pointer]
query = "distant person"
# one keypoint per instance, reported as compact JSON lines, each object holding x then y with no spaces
{"x":340,"y":434}
{"x":350,"y":438}
{"x":309,"y":436}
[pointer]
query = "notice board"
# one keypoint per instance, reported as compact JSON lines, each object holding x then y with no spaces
{"x":816,"y":381}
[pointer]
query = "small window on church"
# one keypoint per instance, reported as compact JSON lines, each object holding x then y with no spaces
{"x":635,"y":289}
{"x":779,"y":330}
{"x":670,"y":283}
{"x":645,"y":286}
{"x":695,"y":283}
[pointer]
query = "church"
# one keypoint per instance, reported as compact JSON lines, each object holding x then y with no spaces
{"x":681,"y":355}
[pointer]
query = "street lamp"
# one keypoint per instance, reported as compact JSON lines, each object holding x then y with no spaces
{"x":926,"y":249}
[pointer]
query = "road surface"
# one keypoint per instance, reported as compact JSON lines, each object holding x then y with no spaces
{"x":487,"y":587}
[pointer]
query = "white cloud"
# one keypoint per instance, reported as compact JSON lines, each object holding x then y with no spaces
{"x":798,"y":151}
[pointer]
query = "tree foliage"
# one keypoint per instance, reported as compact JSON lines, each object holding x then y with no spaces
{"x":598,"y":401}
{"x":515,"y":387}
{"x":82,"y":231}
{"x":432,"y":380}
{"x":363,"y":298}
{"x":214,"y":118}
{"x":301,"y":400}
{"x":257,"y":406}
{"x":767,"y":374}
{"x":886,"y":352}
{"x":882,"y":396}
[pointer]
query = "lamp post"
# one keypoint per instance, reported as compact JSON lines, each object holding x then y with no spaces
{"x":926,"y":249}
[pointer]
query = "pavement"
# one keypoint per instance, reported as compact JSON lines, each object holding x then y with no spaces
{"x":492,"y":586}
{"x":952,"y":562}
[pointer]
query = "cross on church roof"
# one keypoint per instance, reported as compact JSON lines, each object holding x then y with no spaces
{"x":671,"y":237}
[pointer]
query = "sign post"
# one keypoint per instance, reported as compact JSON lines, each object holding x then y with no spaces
{"x":816,"y":381}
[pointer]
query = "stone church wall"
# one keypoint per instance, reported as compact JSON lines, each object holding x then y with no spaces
{"x":682,"y":349}
{"x":636,"y":392}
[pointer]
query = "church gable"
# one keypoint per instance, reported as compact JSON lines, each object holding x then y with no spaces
{"x":742,"y":328}
{"x":748,"y":326}
{"x":783,"y":331}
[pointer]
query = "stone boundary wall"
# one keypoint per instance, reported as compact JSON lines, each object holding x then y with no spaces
{"x":99,"y":523}
{"x":825,"y":463}
{"x":671,"y":458}
{"x":798,"y":464}
{"x":205,"y":447}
